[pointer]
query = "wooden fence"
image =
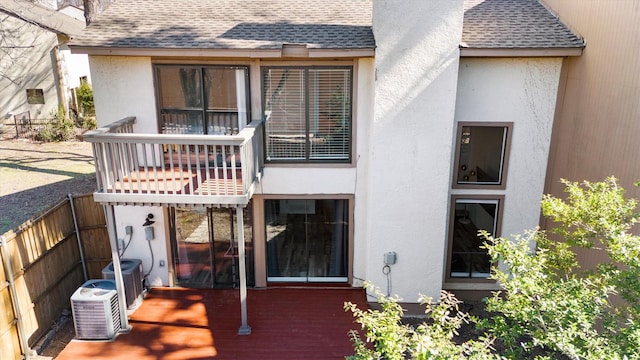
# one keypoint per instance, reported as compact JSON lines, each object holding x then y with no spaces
{"x":41,"y":266}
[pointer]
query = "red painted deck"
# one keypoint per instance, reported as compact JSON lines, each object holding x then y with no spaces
{"x":286,"y":323}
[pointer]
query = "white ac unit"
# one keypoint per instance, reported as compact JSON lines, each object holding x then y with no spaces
{"x":132,"y":278}
{"x":96,"y":314}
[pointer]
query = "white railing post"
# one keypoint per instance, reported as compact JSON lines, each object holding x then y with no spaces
{"x":127,"y":165}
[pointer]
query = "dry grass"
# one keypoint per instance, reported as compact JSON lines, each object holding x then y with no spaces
{"x":36,"y":176}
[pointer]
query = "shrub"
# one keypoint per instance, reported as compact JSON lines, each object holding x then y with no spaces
{"x":549,"y":308}
{"x":84,"y":93}
{"x":60,"y":129}
{"x":387,"y":337}
{"x":549,"y":303}
{"x":87,"y":123}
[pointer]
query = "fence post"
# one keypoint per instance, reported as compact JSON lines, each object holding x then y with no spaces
{"x":14,"y":299}
{"x":75,"y":225}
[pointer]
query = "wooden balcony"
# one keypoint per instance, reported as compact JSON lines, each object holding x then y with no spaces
{"x":175,"y":169}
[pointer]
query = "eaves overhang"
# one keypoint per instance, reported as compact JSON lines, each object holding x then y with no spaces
{"x":520,"y":52}
{"x":283,"y":52}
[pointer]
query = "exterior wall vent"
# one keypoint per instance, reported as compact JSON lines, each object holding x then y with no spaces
{"x":96,"y":315}
{"x":132,"y":277}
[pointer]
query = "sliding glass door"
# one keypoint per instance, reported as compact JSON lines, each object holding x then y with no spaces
{"x":307,"y":240}
{"x":205,"y":249}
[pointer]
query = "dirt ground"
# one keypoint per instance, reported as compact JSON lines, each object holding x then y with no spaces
{"x":35,"y":176}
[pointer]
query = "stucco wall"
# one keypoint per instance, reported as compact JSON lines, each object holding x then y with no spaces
{"x":409,"y":158}
{"x":123,"y":86}
{"x":139,"y":247}
{"x":522,"y":91}
{"x":76,"y":66}
{"x":28,"y":64}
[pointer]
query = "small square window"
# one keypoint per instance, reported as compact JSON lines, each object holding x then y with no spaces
{"x":481,"y":155}
{"x":467,"y":259}
{"x":35,"y":96}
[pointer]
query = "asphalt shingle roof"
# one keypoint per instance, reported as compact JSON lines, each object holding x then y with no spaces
{"x":322,"y":24}
{"x":508,"y":24}
{"x":232,"y":24}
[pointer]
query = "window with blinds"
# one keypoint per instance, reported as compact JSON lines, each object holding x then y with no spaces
{"x":307,"y":113}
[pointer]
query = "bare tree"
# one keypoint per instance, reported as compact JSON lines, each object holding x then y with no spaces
{"x":17,"y":38}
{"x":93,"y":8}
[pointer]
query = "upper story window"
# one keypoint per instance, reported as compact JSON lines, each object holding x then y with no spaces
{"x":481,"y":155}
{"x":202,"y":99}
{"x":307,"y":112}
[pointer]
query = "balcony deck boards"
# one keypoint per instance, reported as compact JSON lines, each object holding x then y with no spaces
{"x":286,"y":323}
{"x":168,"y":169}
{"x":179,"y":181}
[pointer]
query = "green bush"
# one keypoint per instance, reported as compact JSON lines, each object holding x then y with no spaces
{"x":387,"y":337}
{"x":549,"y":308}
{"x":60,"y":129}
{"x":84,"y":94}
{"x":88,"y":123}
{"x":549,"y":304}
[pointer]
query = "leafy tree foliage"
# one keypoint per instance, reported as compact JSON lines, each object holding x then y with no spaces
{"x":550,"y":307}
{"x":387,"y":337}
{"x":549,"y":302}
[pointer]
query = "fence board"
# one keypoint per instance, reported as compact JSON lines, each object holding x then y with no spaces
{"x":43,"y":233}
{"x":93,"y":234}
{"x":9,"y":340}
{"x":46,"y":266}
{"x":88,"y":212}
{"x":10,"y":344}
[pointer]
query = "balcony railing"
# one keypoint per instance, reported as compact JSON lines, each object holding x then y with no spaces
{"x":164,"y":169}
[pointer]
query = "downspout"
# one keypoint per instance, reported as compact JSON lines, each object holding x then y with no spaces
{"x":14,"y":298}
{"x":117,"y":269}
{"x":75,"y":225}
{"x":244,"y":328}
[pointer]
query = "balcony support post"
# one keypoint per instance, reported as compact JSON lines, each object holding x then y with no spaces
{"x":117,"y":269}
{"x":244,"y":328}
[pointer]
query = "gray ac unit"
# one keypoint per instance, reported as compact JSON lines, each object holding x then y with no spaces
{"x":132,"y":277}
{"x":96,"y":314}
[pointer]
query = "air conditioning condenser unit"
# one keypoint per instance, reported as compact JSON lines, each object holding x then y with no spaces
{"x":96,"y":315}
{"x":132,"y":278}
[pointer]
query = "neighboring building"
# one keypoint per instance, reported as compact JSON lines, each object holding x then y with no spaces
{"x":597,"y":124}
{"x":37,"y":69}
{"x":329,"y":135}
